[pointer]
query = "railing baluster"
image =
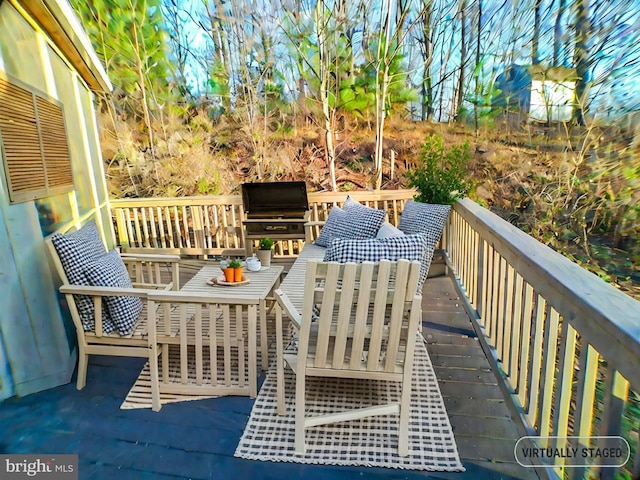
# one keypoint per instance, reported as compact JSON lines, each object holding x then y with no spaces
{"x":488,"y":302}
{"x":207,"y":225}
{"x":564,"y":384}
{"x":585,"y":397}
{"x":500,"y":314}
{"x":509,"y":289}
{"x":523,"y":388}
{"x":136,"y":223}
{"x":144,"y":241}
{"x":535,"y":359}
{"x":616,"y":392}
{"x":154,"y":231}
{"x":176,"y":222}
{"x":480,"y":274}
{"x":548,"y":370}
{"x":514,"y":366}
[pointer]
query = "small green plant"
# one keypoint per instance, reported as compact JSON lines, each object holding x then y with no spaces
{"x":265,"y":244}
{"x":235,"y":263}
{"x":441,"y":176}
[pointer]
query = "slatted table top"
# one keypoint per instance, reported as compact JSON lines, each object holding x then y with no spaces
{"x":260,"y":283}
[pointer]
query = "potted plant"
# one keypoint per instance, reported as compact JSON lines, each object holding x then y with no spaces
{"x":228,"y":272}
{"x":264,"y":251}
{"x":236,"y":266}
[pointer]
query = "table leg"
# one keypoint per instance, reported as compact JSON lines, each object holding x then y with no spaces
{"x":279,"y":362}
{"x":253,"y":360}
{"x":264,"y":347}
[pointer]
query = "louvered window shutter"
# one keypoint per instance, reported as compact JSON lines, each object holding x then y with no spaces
{"x":34,"y":141}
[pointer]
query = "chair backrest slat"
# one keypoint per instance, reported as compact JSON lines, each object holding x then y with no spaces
{"x":379,"y":311}
{"x":344,"y":311}
{"x":362,"y":312}
{"x":326,"y":312}
{"x":396,"y":316}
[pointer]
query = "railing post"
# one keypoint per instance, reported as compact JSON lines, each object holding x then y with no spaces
{"x":121,"y":225}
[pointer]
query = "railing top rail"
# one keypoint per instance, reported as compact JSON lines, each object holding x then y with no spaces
{"x":605,"y":316}
{"x":314,"y":197}
{"x":176,"y":201}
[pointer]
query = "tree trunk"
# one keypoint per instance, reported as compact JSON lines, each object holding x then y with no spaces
{"x":427,"y":80}
{"x":581,"y":59}
{"x":478,"y":67}
{"x":463,"y":56}
{"x":557,"y":34}
{"x":536,"y":33}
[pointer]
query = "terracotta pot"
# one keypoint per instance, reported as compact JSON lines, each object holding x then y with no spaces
{"x":228,"y":274}
{"x":237,"y":274}
{"x":265,"y":257}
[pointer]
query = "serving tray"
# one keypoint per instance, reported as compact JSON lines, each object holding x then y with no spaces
{"x":222,"y":282}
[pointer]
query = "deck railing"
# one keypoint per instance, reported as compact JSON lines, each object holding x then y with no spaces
{"x":567,"y":343}
{"x":212,"y":225}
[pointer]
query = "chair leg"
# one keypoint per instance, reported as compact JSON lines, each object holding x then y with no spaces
{"x":405,"y":411}
{"x":83,"y":361}
{"x":300,"y":408}
{"x":155,"y":381}
{"x":279,"y":361}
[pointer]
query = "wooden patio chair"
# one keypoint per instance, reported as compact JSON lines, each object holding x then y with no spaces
{"x":206,"y":344}
{"x":95,"y":337}
{"x":358,"y":321}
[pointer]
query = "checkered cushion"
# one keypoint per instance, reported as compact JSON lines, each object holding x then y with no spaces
{"x":388,"y":230}
{"x":110,"y":271}
{"x":357,"y":223}
{"x":410,"y":247}
{"x":424,"y":218}
{"x":76,"y":250}
{"x":350,"y":203}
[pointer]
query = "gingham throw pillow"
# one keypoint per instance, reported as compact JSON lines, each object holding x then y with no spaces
{"x":424,"y":218}
{"x":110,"y":271}
{"x":358,"y":223}
{"x":388,"y":230}
{"x":410,"y":247}
{"x":76,"y":250}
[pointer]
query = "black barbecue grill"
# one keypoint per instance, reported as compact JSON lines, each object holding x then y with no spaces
{"x":274,"y":209}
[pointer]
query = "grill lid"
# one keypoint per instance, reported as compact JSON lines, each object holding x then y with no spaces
{"x":275,"y":199}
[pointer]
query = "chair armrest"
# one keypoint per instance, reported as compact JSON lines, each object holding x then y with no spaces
{"x":288,"y":307}
{"x":104,"y":291}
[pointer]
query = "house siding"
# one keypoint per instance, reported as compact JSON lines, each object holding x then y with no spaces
{"x":37,"y":338}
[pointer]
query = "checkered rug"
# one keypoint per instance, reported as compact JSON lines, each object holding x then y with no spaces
{"x":140,"y":394}
{"x":370,"y":441}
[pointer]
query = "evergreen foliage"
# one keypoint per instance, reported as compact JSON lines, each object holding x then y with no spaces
{"x":441,"y":176}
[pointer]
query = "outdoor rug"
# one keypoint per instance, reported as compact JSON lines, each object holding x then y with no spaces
{"x":370,"y":441}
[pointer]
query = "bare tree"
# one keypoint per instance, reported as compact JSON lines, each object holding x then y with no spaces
{"x":581,"y":58}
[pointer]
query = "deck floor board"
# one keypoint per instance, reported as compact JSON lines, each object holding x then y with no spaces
{"x":197,"y":439}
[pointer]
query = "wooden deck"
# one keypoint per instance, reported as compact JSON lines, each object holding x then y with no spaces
{"x":197,"y":439}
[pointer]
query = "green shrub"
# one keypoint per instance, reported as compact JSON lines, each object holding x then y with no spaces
{"x":441,"y":176}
